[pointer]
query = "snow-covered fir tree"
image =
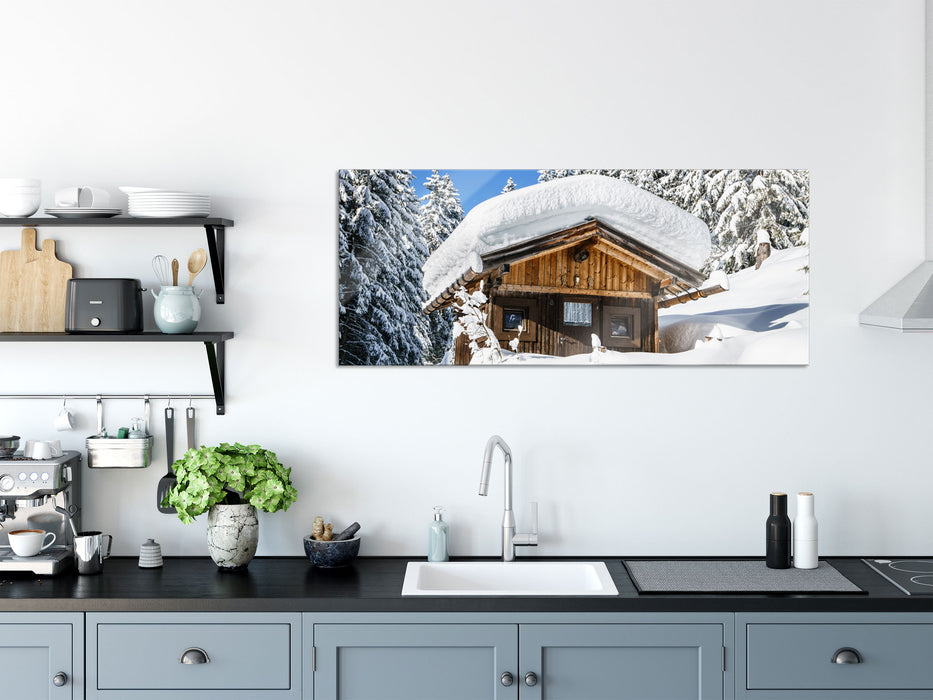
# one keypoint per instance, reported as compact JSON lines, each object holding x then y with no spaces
{"x":441,"y":211}
{"x":381,"y":250}
{"x":735,"y":204}
{"x":509,"y":186}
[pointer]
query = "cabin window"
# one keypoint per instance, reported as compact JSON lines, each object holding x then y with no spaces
{"x":577,"y":313}
{"x":513,"y":319}
{"x":620,"y":326}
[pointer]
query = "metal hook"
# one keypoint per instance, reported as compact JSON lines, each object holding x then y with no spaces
{"x":189,"y":400}
{"x":169,"y":402}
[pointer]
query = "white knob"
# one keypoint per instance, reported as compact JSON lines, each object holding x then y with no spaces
{"x":95,"y":321}
{"x":6,"y":482}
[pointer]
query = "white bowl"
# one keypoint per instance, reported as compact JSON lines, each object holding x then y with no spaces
{"x":19,"y":204}
{"x":20,"y":182}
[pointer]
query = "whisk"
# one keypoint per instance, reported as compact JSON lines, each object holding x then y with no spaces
{"x":161,"y":269}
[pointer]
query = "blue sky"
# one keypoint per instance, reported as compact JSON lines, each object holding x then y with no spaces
{"x":476,"y":186}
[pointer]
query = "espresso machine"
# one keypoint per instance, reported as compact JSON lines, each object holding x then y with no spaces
{"x":40,"y":494}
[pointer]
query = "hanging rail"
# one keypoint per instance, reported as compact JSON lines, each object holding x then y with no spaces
{"x":91,"y":397}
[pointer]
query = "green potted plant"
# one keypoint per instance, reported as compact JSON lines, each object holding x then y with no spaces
{"x":229,"y":482}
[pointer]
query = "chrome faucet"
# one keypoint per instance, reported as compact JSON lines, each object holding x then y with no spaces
{"x":510,"y":540}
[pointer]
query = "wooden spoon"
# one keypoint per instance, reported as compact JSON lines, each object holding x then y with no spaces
{"x":196,"y":263}
{"x":174,"y":272}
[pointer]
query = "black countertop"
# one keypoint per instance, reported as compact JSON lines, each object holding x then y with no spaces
{"x":290,"y":584}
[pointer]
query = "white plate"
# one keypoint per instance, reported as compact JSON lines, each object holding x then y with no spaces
{"x":159,"y":195}
{"x":169,"y":215}
{"x":169,"y":207}
{"x":76,"y":213}
{"x":84,"y":209}
{"x":171,"y":203}
{"x":134,"y":190}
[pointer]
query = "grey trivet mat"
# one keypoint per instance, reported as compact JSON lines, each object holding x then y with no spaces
{"x":744,"y":576}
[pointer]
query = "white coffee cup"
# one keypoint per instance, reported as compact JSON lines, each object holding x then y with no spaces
{"x":37,"y":449}
{"x":28,"y":543}
{"x":65,"y":420}
{"x":85,"y":197}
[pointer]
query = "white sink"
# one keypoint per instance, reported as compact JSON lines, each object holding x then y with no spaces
{"x":496,"y":578}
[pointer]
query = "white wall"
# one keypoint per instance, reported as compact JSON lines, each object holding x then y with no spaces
{"x":259,"y":104}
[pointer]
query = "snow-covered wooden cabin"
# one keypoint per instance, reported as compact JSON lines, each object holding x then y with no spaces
{"x":566,"y":259}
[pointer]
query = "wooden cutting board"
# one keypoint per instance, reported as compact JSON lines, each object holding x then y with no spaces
{"x":33,"y":286}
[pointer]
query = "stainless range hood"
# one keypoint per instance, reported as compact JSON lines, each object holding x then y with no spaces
{"x":908,"y":306}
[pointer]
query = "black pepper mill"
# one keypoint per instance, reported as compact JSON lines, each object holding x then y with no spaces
{"x":777,"y":551}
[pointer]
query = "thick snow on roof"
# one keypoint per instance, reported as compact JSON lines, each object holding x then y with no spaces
{"x":529,"y":212}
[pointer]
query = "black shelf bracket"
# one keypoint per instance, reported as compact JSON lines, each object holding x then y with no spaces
{"x":215,"y":249}
{"x":215,"y":361}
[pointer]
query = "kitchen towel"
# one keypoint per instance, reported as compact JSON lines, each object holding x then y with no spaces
{"x":739,"y":576}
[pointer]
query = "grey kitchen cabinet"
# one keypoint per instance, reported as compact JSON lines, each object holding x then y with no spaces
{"x":517,"y":657}
{"x":835,"y":656}
{"x":208,"y":656}
{"x":414,"y":662}
{"x":42,"y":655}
{"x":638,"y":661}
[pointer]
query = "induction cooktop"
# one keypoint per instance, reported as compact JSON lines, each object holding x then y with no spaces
{"x":913,"y":576}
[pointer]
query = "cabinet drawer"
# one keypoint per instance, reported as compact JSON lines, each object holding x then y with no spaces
{"x":250,"y":656}
{"x":799,"y":656}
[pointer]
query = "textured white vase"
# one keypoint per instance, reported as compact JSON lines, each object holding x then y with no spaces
{"x":232,"y":535}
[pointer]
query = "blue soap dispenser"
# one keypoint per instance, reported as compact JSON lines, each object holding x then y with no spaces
{"x":437,"y":537}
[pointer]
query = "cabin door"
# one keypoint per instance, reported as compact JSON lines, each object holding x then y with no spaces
{"x":577,"y":320}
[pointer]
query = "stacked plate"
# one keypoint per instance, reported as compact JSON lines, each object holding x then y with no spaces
{"x":149,"y":203}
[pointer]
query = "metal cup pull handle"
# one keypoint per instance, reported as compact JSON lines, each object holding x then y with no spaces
{"x":194,"y":655}
{"x":109,"y":546}
{"x":847,"y":655}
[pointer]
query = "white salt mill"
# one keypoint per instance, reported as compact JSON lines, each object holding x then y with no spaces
{"x":805,"y":533}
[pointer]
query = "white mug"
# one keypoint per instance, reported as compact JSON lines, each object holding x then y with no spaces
{"x":28,"y":543}
{"x":86,"y":197}
{"x":65,"y":420}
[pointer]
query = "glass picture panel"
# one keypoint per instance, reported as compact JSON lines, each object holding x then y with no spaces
{"x":519,"y":266}
{"x":578,"y":313}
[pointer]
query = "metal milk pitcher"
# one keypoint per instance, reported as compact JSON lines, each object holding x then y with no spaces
{"x":89,"y":551}
{"x":177,"y":309}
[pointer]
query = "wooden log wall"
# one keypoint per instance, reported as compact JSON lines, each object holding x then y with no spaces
{"x":548,"y":279}
{"x":558,"y":271}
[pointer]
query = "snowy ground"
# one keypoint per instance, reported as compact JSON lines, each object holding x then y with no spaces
{"x":763,"y":320}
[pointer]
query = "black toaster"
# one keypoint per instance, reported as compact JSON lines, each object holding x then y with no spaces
{"x":104,"y":305}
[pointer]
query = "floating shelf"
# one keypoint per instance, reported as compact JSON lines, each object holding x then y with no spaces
{"x":213,"y":340}
{"x":214,"y":228}
{"x":213,"y":345}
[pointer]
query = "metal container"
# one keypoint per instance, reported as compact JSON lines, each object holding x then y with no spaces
{"x":104,"y":305}
{"x":118,"y":453}
{"x":8,"y":445}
